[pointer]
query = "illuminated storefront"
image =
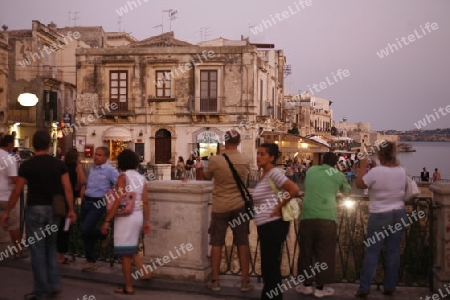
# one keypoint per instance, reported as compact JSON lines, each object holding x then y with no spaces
{"x":118,"y":138}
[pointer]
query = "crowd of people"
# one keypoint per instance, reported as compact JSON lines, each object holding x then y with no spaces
{"x":318,"y":221}
{"x":425,"y":175}
{"x":48,"y":176}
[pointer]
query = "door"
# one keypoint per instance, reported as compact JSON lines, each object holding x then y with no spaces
{"x":163,"y":147}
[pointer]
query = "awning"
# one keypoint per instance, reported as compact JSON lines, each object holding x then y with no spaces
{"x":117,"y":134}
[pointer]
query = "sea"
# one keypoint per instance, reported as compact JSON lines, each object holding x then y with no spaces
{"x":430,"y":155}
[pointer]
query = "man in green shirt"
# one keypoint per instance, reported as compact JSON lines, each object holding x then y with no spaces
{"x":318,"y":229}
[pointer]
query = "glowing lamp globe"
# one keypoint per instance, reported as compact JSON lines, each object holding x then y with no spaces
{"x":27,"y":99}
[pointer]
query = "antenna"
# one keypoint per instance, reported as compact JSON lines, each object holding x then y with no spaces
{"x":119,"y":23}
{"x":205,"y":32}
{"x":75,"y":18}
{"x":172,"y":13}
{"x":159,"y":26}
{"x":70,"y":17}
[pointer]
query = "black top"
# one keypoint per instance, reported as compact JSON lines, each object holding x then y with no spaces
{"x":72,"y":168}
{"x":424,"y":176}
{"x":43,"y":174}
{"x":189,"y":162}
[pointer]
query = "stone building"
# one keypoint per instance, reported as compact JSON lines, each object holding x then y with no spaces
{"x":35,"y":65}
{"x":165,"y":98}
{"x":3,"y":79}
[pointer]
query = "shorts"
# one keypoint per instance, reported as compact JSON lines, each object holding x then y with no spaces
{"x":14,"y":216}
{"x":220,"y":223}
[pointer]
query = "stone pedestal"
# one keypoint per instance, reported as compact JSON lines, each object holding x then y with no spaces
{"x":162,"y":171}
{"x":441,"y":272}
{"x":177,"y":245}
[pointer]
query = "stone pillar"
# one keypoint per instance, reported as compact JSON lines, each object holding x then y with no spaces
{"x":162,"y":171}
{"x":177,"y":246}
{"x":441,"y":272}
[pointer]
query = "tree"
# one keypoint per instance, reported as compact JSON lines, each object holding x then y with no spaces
{"x":293,"y":130}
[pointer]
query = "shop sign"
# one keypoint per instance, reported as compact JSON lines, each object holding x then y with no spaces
{"x":208,"y":137}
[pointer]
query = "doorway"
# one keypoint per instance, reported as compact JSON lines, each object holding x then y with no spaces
{"x":163,"y":146}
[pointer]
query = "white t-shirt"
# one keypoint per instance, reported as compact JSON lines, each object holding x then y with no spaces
{"x":264,"y":198}
{"x":386,"y":188}
{"x":8,"y":168}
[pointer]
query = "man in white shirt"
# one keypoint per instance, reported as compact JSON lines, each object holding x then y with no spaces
{"x":8,"y":177}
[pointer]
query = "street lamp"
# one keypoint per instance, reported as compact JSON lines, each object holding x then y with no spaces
{"x":27,"y":99}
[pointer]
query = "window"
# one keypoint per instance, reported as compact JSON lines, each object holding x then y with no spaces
{"x":208,"y":91}
{"x":163,"y":84}
{"x":118,"y":88}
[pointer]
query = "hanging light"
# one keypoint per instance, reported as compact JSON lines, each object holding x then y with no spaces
{"x":27,"y":99}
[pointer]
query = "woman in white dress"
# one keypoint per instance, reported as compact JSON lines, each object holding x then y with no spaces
{"x":129,"y":227}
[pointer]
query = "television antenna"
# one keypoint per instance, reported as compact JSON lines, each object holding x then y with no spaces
{"x":75,"y":18}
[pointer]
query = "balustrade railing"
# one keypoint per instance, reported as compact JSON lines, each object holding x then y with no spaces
{"x":416,"y":248}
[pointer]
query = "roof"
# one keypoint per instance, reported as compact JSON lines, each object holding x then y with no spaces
{"x":166,"y":39}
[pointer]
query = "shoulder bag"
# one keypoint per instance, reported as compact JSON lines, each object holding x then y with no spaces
{"x":246,"y":196}
{"x":291,"y":210}
{"x":411,"y":188}
{"x":127,"y":202}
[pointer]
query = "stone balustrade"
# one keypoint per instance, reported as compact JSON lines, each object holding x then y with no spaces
{"x":177,"y":246}
{"x":441,"y":272}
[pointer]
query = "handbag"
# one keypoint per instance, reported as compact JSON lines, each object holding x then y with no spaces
{"x":291,"y":210}
{"x":126,"y":205}
{"x":246,"y":196}
{"x":59,"y":205}
{"x":411,"y":189}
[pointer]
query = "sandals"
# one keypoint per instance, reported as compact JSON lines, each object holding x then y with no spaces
{"x":64,"y":262}
{"x":361,"y":294}
{"x":123,"y":290}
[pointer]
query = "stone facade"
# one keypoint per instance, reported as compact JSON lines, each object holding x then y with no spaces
{"x":35,"y":58}
{"x":174,"y":98}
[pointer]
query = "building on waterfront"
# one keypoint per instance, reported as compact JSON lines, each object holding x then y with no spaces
{"x":165,"y":98}
{"x":360,"y":132}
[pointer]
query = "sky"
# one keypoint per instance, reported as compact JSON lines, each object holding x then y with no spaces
{"x":318,"y":38}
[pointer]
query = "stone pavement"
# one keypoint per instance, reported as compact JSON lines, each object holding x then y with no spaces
{"x":16,"y":280}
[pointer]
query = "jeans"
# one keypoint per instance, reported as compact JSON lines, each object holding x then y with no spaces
{"x":377,"y":227}
{"x":271,"y":237}
{"x":38,"y":221}
{"x":90,"y":216}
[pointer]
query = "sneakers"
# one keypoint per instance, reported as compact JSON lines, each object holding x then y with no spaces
{"x":89,"y":267}
{"x":327,"y":291}
{"x":214,"y":285}
{"x":246,"y":286}
{"x":305,"y":290}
